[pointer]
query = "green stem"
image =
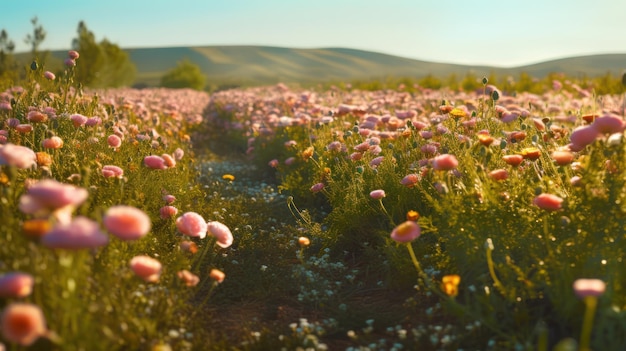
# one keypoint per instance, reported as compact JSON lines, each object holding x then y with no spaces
{"x":492,"y":272}
{"x":585,"y":335}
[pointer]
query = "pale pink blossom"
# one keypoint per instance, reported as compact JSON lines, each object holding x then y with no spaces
{"x":188,"y":278}
{"x":548,"y":202}
{"x":49,"y":194}
{"x":410,"y":180}
{"x":73,"y":54}
{"x":217,"y":275}
{"x":166,"y":212}
{"x":192,"y":224}
{"x":80,"y":233}
{"x":445,"y":162}
{"x":317,"y":187}
{"x":406,"y":232}
{"x":146,"y":268}
{"x":168,"y":160}
{"x":52,"y":143}
{"x":154,"y":162}
{"x":273,"y":163}
{"x":178,"y":154}
{"x":17,"y":156}
{"x":111,"y":171}
{"x":169,"y":198}
{"x":377,"y":194}
{"x":49,"y":75}
{"x":78,"y":119}
{"x":22,"y":323}
{"x":584,"y":135}
{"x":16,"y":285}
{"x":127,"y":222}
{"x":114,"y":141}
{"x":588,"y":287}
{"x":221,"y":233}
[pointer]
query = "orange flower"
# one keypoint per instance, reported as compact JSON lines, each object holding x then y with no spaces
{"x":217,"y":275}
{"x":450,"y":284}
{"x":304,"y":241}
{"x":412,"y":216}
{"x":531,"y":153}
{"x":308,"y":153}
{"x":35,"y":228}
{"x":43,"y":159}
{"x":485,"y":139}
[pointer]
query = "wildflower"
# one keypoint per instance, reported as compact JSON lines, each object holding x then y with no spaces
{"x":410,"y":180}
{"x":273,"y":163}
{"x":589,"y":287}
{"x":35,"y":228}
{"x":127,"y":222}
{"x":412,"y":215}
{"x":36,"y":117}
{"x":80,"y":233}
{"x":548,"y":202}
{"x":178,"y":154}
{"x":16,"y":285}
{"x":317,"y":187}
{"x":78,"y":120}
{"x":450,"y":284}
{"x":458,"y":112}
{"x":93,"y":121}
{"x":188,"y":278}
{"x":43,"y":159}
{"x":406,"y":232}
{"x":49,"y":75}
{"x":192,"y":224}
{"x":375,"y":162}
{"x":154,"y":162}
{"x":303,"y":241}
{"x":562,"y":157}
{"x":485,"y":139}
{"x":445,"y":162}
{"x":110,"y":171}
{"x":169,"y":199}
{"x":290,"y":160}
{"x":221,"y":233}
{"x":531,"y":153}
{"x":189,"y":246}
{"x":22,"y":323}
{"x":114,"y":141}
{"x":584,"y":135}
{"x":377,"y":194}
{"x":169,"y":161}
{"x":17,"y":156}
{"x":308,"y":153}
{"x":228,"y":177}
{"x":51,"y":195}
{"x":166,"y":212}
{"x":499,"y":174}
{"x":69,"y":62}
{"x":24,"y":128}
{"x":73,"y":54}
{"x":513,"y":160}
{"x":217,"y":275}
{"x":146,"y":268}
{"x":609,"y":124}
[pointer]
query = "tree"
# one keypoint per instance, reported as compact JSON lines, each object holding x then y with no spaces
{"x":7,"y":61}
{"x":185,"y":75}
{"x":105,"y":64}
{"x":35,"y":40}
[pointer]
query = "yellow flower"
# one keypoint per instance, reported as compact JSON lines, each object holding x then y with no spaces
{"x":450,"y":284}
{"x":307,"y":153}
{"x":531,"y":153}
{"x":228,"y":177}
{"x":458,"y":113}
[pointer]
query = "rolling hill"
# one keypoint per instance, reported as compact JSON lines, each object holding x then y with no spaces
{"x":253,"y":65}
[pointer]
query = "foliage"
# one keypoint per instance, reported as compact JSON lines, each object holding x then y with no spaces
{"x":109,"y":66}
{"x":186,"y":74}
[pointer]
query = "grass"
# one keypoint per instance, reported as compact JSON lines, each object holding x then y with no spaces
{"x":314,"y":263}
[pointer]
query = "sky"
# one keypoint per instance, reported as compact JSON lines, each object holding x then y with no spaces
{"x":504,"y":33}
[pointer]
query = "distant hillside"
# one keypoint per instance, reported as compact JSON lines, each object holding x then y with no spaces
{"x":251,"y":65}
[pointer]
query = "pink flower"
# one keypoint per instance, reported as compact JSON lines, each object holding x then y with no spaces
{"x":410,"y":180}
{"x":289,"y":161}
{"x":375,"y":162}
{"x":588,"y":287}
{"x":377,"y":194}
{"x":608,"y":124}
{"x":127,"y":222}
{"x":52,"y":143}
{"x":168,"y":160}
{"x":499,"y":174}
{"x":50,"y":194}
{"x":17,"y":156}
{"x":221,"y":233}
{"x":78,"y":119}
{"x":192,"y":224}
{"x":406,"y":232}
{"x":178,"y":154}
{"x":548,"y":202}
{"x":73,"y":54}
{"x":445,"y":162}
{"x":69,"y":62}
{"x":583,"y":136}
{"x":114,"y":141}
{"x":562,"y":157}
{"x":24,"y":128}
{"x":22,"y":323}
{"x":49,"y":75}
{"x":36,"y":117}
{"x":316,"y":188}
{"x":93,"y":121}
{"x":188,"y":278}
{"x":513,"y":160}
{"x":166,"y":212}
{"x":16,"y":285}
{"x":154,"y":162}
{"x":110,"y":171}
{"x":146,"y":268}
{"x":80,"y":233}
{"x":273,"y":163}
{"x":217,"y":275}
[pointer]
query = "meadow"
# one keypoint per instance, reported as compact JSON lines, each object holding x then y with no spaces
{"x":289,"y":218}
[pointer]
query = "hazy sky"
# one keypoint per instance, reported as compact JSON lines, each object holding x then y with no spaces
{"x":493,"y":32}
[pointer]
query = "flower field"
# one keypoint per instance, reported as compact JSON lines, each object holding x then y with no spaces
{"x":283,"y":218}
